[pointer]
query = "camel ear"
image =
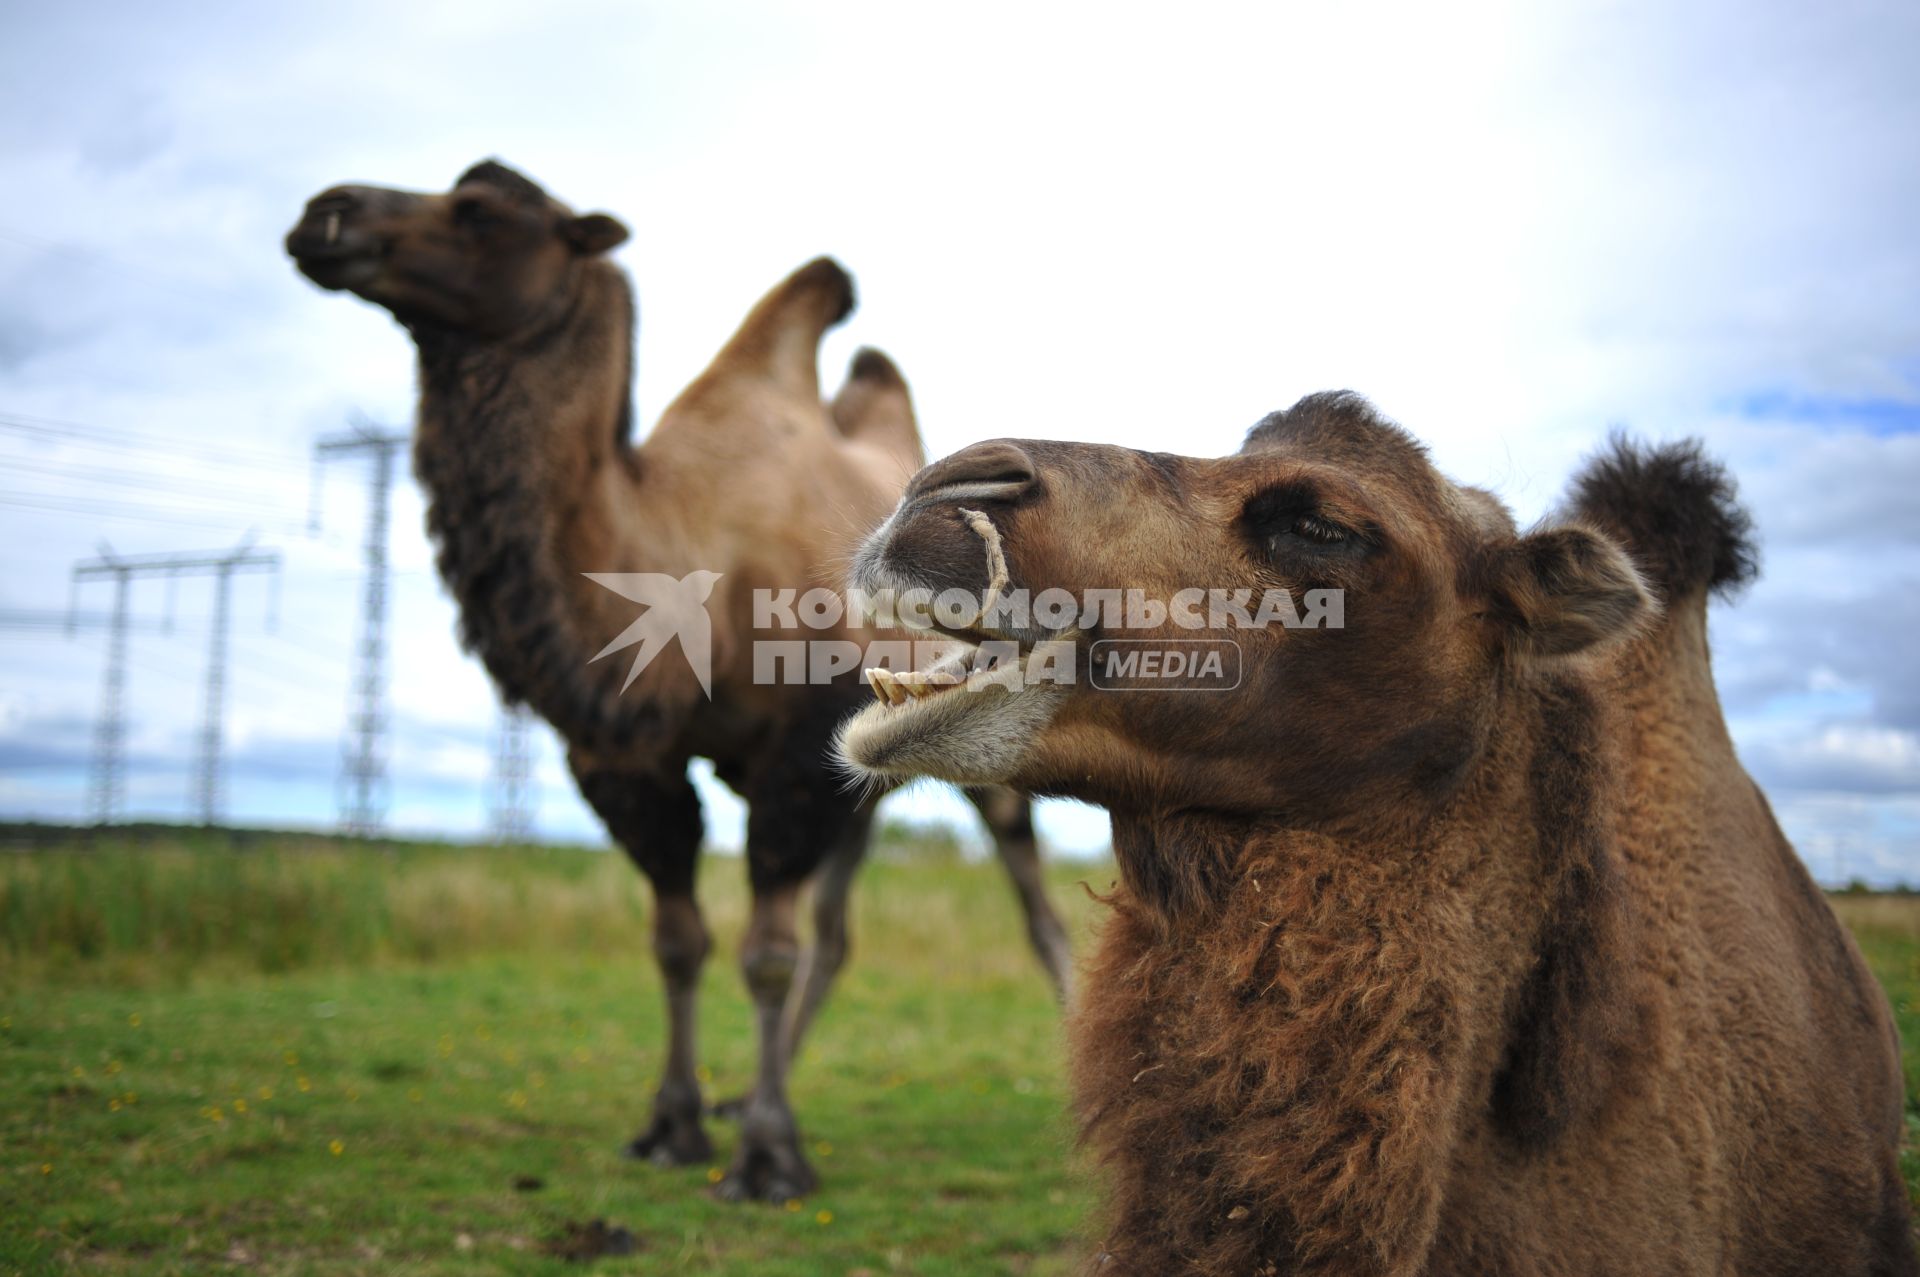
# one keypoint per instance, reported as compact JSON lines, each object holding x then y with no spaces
{"x":1566,"y":589}
{"x":593,"y":233}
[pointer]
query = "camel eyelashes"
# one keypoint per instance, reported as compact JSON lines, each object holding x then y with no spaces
{"x":1290,"y":517}
{"x":1311,"y":527}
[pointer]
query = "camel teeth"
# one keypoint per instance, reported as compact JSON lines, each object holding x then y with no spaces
{"x":918,"y":688}
{"x":885,"y":686}
{"x":333,"y":227}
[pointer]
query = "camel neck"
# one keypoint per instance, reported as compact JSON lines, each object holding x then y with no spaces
{"x":522,"y":446}
{"x":1338,"y":1001}
{"x":1530,"y":795}
{"x":558,"y":392}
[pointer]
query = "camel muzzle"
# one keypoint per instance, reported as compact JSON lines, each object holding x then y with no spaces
{"x":335,"y":243}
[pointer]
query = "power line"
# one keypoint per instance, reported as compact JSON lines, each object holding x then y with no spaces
{"x":34,"y":621}
{"x":96,"y":508}
{"x":147,"y":481}
{"x":78,"y":432}
{"x":363,"y":778}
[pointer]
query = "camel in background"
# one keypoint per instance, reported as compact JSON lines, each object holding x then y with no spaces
{"x":524,"y":444}
{"x":1452,"y":941}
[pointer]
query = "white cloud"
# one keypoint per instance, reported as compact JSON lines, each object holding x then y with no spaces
{"x":1849,"y":757}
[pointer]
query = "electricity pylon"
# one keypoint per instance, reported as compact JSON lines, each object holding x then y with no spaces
{"x":107,"y":785}
{"x":363,"y":770}
{"x":510,"y":797}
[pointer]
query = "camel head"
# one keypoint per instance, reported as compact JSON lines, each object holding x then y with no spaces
{"x":486,"y":259}
{"x":1443,"y":607}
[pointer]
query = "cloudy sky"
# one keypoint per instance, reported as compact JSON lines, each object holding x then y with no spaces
{"x":1513,"y":227}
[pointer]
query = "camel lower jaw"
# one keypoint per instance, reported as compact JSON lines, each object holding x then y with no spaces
{"x":340,"y":272}
{"x":974,"y":730}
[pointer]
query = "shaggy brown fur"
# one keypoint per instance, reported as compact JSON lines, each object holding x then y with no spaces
{"x":525,"y":335}
{"x":1455,"y":941}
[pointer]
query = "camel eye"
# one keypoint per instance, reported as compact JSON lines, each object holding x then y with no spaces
{"x":1311,"y":527}
{"x":1289,"y":521}
{"x":474,"y":214}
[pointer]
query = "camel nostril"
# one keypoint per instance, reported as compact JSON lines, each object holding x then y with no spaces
{"x":336,"y":203}
{"x":985,"y":472}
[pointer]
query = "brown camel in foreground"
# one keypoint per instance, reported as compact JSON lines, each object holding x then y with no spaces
{"x":1455,"y":940}
{"x":525,"y":337}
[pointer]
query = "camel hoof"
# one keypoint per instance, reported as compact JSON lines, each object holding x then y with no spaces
{"x":773,"y":1173}
{"x":670,"y":1142}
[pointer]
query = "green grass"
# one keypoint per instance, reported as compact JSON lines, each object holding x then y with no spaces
{"x":308,"y":1057}
{"x":311,"y":1059}
{"x":1888,"y":931}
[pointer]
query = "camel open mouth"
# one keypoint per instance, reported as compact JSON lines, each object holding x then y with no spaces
{"x":956,"y":671}
{"x":970,"y":716}
{"x":897,"y":689}
{"x":951,"y":673}
{"x":951,"y":721}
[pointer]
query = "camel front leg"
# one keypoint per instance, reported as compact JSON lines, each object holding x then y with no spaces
{"x":1009,"y":818}
{"x":820,"y":962}
{"x":769,"y":1165}
{"x":655,"y":817}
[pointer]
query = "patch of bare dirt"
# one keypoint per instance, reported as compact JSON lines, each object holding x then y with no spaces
{"x":579,"y":1243}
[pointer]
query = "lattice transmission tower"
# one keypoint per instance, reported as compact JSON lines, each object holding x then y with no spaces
{"x":511,"y":797}
{"x":363,"y":768}
{"x":106,"y":789}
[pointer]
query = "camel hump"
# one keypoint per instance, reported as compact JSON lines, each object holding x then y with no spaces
{"x":780,"y":337}
{"x":873,"y":366}
{"x":831,"y":281}
{"x":874,"y":407}
{"x":1675,"y":510}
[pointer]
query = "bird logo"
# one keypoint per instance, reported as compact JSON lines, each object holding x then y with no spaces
{"x":676,"y":608}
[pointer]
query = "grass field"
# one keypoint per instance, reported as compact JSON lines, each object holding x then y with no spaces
{"x":308,"y":1058}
